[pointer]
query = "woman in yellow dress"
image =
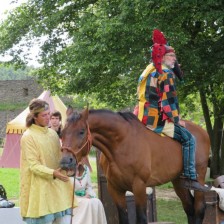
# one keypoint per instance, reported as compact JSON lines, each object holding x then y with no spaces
{"x":45,"y":193}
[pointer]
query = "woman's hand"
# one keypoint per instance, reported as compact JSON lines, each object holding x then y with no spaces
{"x":57,"y":174}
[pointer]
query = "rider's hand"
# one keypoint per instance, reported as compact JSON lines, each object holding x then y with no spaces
{"x":57,"y":174}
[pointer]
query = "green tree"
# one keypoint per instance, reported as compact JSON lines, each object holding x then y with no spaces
{"x":10,"y":73}
{"x":100,"y":47}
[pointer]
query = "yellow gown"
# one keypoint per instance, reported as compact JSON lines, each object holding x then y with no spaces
{"x":40,"y":193}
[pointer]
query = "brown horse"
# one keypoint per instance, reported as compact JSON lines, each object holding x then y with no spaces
{"x":134,"y":158}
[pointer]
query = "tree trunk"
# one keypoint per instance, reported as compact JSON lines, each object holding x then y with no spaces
{"x":222,"y":154}
{"x":206,"y":114}
{"x":216,"y":147}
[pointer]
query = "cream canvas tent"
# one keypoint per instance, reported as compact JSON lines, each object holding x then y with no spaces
{"x":11,"y":152}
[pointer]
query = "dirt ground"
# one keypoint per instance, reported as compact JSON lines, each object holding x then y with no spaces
{"x":166,"y":194}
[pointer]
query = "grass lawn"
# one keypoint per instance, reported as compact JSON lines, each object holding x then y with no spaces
{"x":170,"y":211}
{"x":9,"y":178}
{"x":167,"y":210}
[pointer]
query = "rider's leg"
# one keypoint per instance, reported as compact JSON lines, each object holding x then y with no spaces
{"x":182,"y":135}
{"x":187,"y":140}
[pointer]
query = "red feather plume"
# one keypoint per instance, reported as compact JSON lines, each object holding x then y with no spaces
{"x":158,"y":49}
{"x":158,"y":37}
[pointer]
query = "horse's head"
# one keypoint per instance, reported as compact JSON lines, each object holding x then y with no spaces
{"x":76,"y":139}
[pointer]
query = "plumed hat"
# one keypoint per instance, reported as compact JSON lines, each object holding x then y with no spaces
{"x":159,"y":49}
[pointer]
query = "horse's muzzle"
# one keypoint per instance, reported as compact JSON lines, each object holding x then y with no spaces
{"x":68,"y":163}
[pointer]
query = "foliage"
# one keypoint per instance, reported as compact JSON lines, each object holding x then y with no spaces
{"x":193,"y":112}
{"x":11,"y":73}
{"x":80,"y":101}
{"x":100,"y":47}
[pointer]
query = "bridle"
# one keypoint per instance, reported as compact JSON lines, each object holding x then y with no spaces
{"x":87,"y":143}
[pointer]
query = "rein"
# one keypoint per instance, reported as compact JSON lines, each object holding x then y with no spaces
{"x":73,"y":197}
{"x":88,"y":142}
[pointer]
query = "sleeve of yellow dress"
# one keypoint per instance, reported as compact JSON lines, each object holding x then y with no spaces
{"x":32,"y":155}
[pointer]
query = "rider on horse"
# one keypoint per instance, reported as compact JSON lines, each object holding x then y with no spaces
{"x":159,"y":109}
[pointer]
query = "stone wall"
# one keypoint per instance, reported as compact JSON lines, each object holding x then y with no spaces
{"x":16,"y":92}
{"x":19,"y":91}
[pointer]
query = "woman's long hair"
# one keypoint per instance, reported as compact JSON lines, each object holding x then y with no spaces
{"x":35,"y":106}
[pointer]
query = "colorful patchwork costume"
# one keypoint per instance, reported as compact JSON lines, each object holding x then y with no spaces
{"x":157,"y":99}
{"x":159,"y":111}
{"x":158,"y":103}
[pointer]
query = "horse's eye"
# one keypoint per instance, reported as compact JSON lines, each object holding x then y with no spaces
{"x":82,"y":132}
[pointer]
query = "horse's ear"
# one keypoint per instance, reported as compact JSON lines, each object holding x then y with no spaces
{"x":85,"y":113}
{"x":69,"y":110}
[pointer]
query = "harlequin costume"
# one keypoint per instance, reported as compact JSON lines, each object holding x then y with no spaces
{"x":158,"y":107}
{"x":157,"y":99}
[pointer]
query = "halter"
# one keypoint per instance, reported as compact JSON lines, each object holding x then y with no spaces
{"x":88,"y":142}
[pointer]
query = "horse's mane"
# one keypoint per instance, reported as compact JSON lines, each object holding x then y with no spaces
{"x":128,"y":116}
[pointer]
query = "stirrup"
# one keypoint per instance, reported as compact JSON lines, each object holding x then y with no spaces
{"x":194,"y":185}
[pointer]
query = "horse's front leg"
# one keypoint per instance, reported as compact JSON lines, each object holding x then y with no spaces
{"x":120,"y":202}
{"x":139,"y":191}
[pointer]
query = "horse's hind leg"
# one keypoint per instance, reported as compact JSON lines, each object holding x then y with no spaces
{"x":199,"y":207}
{"x":194,"y":206}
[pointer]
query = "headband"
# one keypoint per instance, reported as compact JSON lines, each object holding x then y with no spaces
{"x":38,"y":110}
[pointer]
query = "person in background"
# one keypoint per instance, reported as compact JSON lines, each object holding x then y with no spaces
{"x":45,"y":192}
{"x":158,"y":107}
{"x":90,"y":209}
{"x":55,"y":122}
